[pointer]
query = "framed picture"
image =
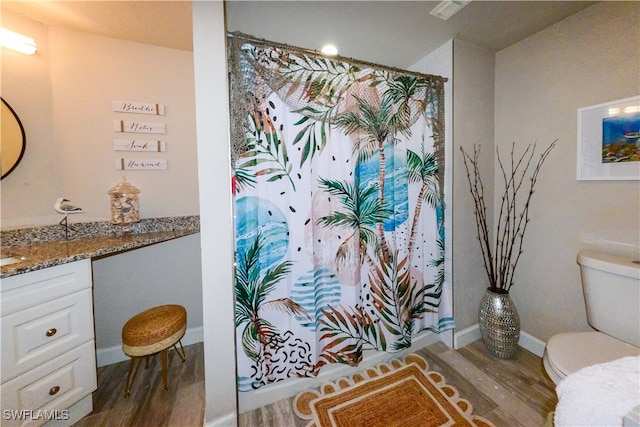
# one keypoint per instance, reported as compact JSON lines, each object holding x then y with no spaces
{"x":609,"y":141}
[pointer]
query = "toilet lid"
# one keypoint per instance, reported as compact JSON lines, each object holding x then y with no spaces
{"x":569,"y":352}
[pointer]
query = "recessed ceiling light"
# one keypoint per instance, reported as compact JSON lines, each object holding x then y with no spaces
{"x":447,"y":8}
{"x":329,"y":49}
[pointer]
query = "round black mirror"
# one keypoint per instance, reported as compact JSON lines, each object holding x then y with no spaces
{"x":12,"y":141}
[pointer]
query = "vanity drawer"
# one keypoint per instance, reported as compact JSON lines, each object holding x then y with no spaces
{"x":37,"y":334}
{"x":50,"y":389}
{"x":37,"y":287}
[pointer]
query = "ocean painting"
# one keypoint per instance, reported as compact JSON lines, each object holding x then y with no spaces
{"x":621,"y":138}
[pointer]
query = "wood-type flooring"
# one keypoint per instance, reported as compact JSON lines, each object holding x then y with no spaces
{"x":512,"y":393}
{"x":148,"y":405}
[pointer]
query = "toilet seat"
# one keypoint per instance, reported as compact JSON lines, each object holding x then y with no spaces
{"x":567,"y":353}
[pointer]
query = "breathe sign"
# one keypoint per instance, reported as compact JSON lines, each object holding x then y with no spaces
{"x":138,"y":107}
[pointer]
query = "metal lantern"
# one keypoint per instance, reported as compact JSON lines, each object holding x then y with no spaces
{"x":125,"y":207}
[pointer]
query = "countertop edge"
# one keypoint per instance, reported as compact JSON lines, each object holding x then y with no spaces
{"x":113,"y":246}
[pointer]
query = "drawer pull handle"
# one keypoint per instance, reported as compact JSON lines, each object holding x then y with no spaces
{"x":53,"y":390}
{"x":51,"y":332}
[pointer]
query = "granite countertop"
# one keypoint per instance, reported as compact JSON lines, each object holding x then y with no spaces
{"x":48,"y":253}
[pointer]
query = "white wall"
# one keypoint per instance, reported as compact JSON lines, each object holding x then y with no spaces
{"x":128,"y":283}
{"x":26,"y":86}
{"x":63,"y":96}
{"x":473,"y":123}
{"x":586,"y":59}
{"x":212,"y":118}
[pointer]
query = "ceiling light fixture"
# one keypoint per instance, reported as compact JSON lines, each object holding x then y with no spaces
{"x":329,"y":49}
{"x":447,"y":8}
{"x":17,"y":42}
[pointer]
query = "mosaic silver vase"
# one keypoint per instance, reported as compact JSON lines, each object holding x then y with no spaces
{"x":499,"y":323}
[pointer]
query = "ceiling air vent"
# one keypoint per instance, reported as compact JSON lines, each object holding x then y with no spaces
{"x":447,"y":8}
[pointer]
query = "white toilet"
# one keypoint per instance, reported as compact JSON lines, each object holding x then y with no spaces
{"x":611,"y":285}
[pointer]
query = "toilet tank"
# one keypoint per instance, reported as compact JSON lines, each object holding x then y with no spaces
{"x":611,"y":285}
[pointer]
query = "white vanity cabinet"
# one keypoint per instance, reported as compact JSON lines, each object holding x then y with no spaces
{"x":48,"y":350}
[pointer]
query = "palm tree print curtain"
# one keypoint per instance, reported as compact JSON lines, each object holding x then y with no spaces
{"x":338,"y":206}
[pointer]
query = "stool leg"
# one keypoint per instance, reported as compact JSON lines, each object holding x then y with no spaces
{"x":127,"y":390}
{"x":180,"y":352}
{"x":163,"y":353}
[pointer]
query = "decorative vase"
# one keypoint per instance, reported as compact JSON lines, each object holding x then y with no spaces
{"x":499,"y":323}
{"x":125,"y":205}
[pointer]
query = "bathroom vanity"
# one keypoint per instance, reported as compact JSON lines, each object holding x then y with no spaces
{"x":48,"y":344}
{"x":48,"y":350}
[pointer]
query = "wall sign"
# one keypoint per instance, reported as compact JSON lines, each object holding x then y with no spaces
{"x":137,"y":127}
{"x":141,"y":164}
{"x":138,"y":107}
{"x":139,"y":145}
{"x":131,"y":144}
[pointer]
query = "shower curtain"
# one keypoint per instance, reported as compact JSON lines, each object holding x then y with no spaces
{"x":338,"y":209}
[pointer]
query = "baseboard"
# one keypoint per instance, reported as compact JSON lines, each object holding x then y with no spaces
{"x":110,"y":355}
{"x":472,"y":333}
{"x":225,"y":421}
{"x":531,"y":343}
{"x":466,"y":336}
{"x":447,"y":338}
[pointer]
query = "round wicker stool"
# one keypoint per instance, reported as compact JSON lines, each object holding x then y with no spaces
{"x":154,"y":330}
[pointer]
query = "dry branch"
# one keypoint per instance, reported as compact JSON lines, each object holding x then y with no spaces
{"x":502,"y":252}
